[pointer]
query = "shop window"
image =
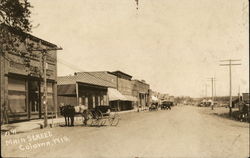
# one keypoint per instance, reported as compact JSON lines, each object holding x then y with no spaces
{"x":50,"y":102}
{"x":105,"y":100}
{"x":86,"y":101}
{"x":80,"y":100}
{"x":102,"y":100}
{"x":17,"y":95}
{"x":99,"y":100}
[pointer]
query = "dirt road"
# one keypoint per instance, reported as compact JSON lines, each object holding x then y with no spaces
{"x":184,"y":131}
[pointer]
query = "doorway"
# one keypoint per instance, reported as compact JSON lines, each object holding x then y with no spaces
{"x":34,"y":99}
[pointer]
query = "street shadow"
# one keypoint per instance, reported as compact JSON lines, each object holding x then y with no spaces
{"x":82,"y":125}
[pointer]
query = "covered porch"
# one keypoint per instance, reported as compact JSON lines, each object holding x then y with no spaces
{"x":120,"y":102}
{"x":80,"y":93}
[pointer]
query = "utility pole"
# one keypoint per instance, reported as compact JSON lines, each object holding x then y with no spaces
{"x":214,"y":90}
{"x":239,"y":98}
{"x":44,"y":64}
{"x":45,"y":88}
{"x":212,"y":81}
{"x":230,"y":64}
{"x":205,"y":91}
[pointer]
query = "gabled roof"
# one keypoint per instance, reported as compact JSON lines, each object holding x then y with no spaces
{"x":94,"y":78}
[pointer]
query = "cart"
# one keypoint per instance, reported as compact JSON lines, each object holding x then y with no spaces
{"x":101,"y":115}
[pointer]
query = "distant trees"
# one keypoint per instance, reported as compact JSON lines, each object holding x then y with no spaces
{"x":182,"y":99}
{"x":224,"y":98}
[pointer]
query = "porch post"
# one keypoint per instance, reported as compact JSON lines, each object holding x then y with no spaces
{"x":77,"y":94}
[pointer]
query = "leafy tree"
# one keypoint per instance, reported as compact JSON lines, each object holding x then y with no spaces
{"x":16,"y":14}
{"x":14,"y":26}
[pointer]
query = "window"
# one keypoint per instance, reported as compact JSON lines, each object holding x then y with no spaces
{"x":17,"y":95}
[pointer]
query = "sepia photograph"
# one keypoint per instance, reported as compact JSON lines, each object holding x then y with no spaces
{"x":124,"y":78}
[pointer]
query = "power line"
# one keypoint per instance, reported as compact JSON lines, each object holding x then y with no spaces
{"x":73,"y":67}
{"x":230,"y":64}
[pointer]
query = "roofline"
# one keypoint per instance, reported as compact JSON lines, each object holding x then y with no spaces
{"x":42,"y":41}
{"x":140,"y":81}
{"x":89,"y":84}
{"x":121,"y":73}
{"x":13,"y":30}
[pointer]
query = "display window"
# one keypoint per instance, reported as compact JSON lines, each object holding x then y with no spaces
{"x":17,"y":95}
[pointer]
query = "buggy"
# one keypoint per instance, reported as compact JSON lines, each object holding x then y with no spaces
{"x":100,"y":115}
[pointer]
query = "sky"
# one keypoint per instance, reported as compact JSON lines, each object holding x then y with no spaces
{"x":175,"y":46}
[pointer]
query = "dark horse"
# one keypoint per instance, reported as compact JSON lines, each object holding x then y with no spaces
{"x":68,"y":111}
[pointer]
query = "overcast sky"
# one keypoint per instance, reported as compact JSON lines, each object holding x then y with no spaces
{"x":175,"y":45}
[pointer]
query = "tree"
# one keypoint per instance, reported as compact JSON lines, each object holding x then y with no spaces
{"x":16,"y":14}
{"x":14,"y":26}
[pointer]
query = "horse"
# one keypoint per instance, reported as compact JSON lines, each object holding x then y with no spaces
{"x":69,"y":112}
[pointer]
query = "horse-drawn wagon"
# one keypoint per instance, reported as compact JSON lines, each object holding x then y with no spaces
{"x":98,"y":116}
{"x":102,"y":115}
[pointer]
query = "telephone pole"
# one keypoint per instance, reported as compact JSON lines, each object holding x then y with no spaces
{"x":212,"y":81}
{"x":230,"y":64}
{"x":214,"y":90}
{"x":239,"y":98}
{"x":205,"y":91}
{"x":44,"y":53}
{"x":45,"y":88}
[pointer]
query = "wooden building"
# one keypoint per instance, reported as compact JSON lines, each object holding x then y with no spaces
{"x":125,"y":87}
{"x":21,"y":85}
{"x":141,"y":91}
{"x":82,"y":89}
{"x":119,"y":87}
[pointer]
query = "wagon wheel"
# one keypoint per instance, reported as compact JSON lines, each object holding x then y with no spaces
{"x":98,"y":117}
{"x":114,"y":119}
{"x":98,"y":114}
{"x":90,"y":118}
{"x":102,"y":122}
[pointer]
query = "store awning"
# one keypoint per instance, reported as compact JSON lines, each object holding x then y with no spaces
{"x":115,"y":95}
{"x":68,"y":89}
{"x":131,"y":98}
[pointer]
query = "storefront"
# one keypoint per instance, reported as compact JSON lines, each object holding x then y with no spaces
{"x":119,"y":101}
{"x":80,"y":93}
{"x":22,"y":85}
{"x":25,"y":97}
{"x":141,"y":92}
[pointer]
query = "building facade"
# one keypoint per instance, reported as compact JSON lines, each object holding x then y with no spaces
{"x":114,"y":80}
{"x":80,"y":93}
{"x":125,"y":86}
{"x":82,"y":89}
{"x":22,"y":81}
{"x":141,"y":90}
{"x":122,"y":92}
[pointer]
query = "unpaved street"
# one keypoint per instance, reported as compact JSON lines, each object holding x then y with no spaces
{"x":184,"y":131}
